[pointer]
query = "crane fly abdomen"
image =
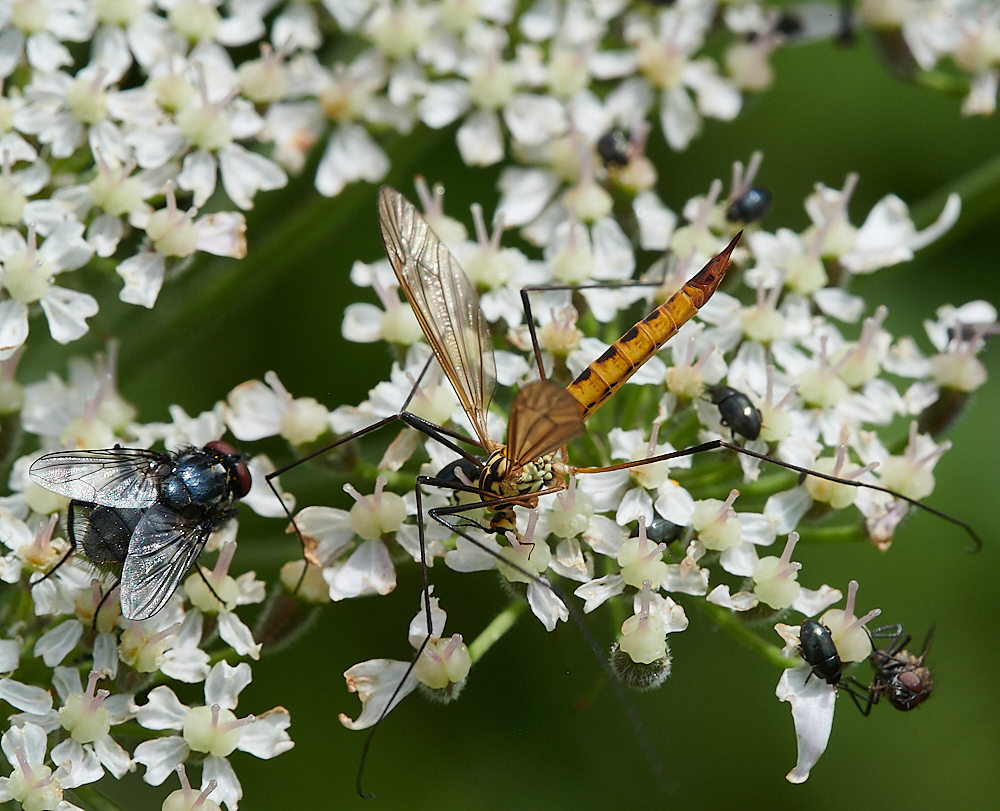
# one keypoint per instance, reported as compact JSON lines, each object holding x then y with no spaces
{"x":609,"y":372}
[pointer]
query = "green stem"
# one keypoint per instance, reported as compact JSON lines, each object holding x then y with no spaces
{"x":942,"y":81}
{"x":980,"y":193}
{"x":90,"y":799}
{"x":493,"y":632}
{"x":841,"y":533}
{"x":727,"y":619}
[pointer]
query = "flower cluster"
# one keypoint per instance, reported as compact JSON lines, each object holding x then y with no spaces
{"x":134,"y":133}
{"x":110,"y":111}
{"x":72,"y":624}
{"x":648,"y":533}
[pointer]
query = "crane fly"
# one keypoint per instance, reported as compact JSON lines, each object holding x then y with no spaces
{"x":544,"y":416}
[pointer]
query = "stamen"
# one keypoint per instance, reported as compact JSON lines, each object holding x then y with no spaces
{"x":185,"y":783}
{"x":726,"y":511}
{"x":643,"y":615}
{"x":210,"y":786}
{"x":225,"y":558}
{"x":852,"y":591}
{"x":786,"y":555}
{"x":482,"y":235}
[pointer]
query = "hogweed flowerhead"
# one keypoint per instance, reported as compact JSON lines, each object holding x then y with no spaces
{"x":132,"y":137}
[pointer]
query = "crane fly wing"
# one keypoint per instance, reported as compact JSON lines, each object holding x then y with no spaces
{"x":445,"y":303}
{"x":160,"y":552}
{"x":543,"y":418}
{"x":116,"y":477}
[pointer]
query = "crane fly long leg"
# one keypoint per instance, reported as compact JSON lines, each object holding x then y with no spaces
{"x":437,"y":433}
{"x":529,"y":317}
{"x":656,"y":765}
{"x":678,"y":309}
{"x":716,"y":444}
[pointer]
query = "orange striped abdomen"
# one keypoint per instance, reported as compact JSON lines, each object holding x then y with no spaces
{"x":609,"y":372}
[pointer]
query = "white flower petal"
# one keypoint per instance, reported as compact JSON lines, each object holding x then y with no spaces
{"x":53,"y":646}
{"x":741,"y":601}
{"x":25,"y":697}
{"x":46,"y":53}
{"x":786,"y":509}
{"x":656,"y":221}
{"x":189,"y":665}
{"x":244,"y":173}
{"x":104,"y":234}
{"x":534,"y":119}
{"x":604,"y":535}
{"x":597,"y":592}
{"x":739,"y":559}
{"x":329,"y":528}
{"x":350,"y":155}
{"x":11,"y":46}
{"x":228,"y":790}
{"x":30,"y":738}
{"x":443,"y":103}
{"x":524,"y":193}
{"x":13,"y":326}
{"x":266,"y":737}
{"x":812,"y":701}
{"x":467,"y":557}
{"x":479,"y":139}
{"x":261,"y":498}
{"x":810,"y":603}
{"x":222,"y":234}
{"x":67,"y":312}
{"x":161,"y":757}
{"x":198,"y":174}
{"x":376,"y":682}
{"x":10,"y":654}
{"x":368,"y":570}
{"x":839,"y":304}
{"x":115,"y":759}
{"x":546,"y":605}
{"x":235,"y":632}
{"x":80,"y":761}
{"x":162,"y":710}
{"x":362,"y":323}
{"x":225,"y":683}
{"x":679,"y":118}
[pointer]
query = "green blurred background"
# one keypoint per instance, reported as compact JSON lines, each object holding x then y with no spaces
{"x":517,"y":739}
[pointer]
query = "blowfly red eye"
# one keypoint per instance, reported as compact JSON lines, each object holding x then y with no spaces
{"x":222,"y":447}
{"x":243,"y":478}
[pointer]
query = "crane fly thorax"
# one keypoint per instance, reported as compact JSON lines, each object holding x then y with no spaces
{"x":506,"y":480}
{"x":499,"y":476}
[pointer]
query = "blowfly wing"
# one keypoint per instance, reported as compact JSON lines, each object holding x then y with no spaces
{"x":116,"y":477}
{"x":445,"y":304}
{"x":543,"y":418}
{"x":163,"y":548}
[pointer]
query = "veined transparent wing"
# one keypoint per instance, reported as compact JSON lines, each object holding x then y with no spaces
{"x":543,"y":418}
{"x":162,"y":549}
{"x":445,"y":304}
{"x":115,"y":477}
